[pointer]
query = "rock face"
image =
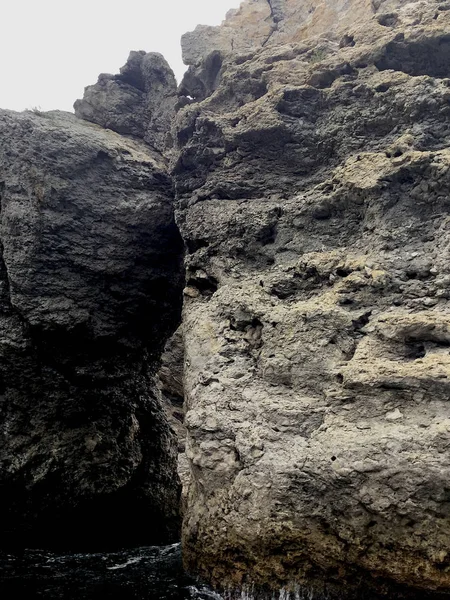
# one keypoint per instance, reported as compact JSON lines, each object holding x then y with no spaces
{"x":170,"y":384}
{"x":313,"y":183}
{"x":170,"y":387}
{"x":139,"y":102}
{"x":311,"y":165}
{"x":90,"y":291}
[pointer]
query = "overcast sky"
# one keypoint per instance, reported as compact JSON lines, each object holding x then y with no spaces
{"x":51,"y":49}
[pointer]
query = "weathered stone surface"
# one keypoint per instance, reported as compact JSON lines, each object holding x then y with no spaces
{"x":90,"y":291}
{"x":281,"y":26}
{"x":140,"y":101}
{"x":313,"y":184}
{"x":170,"y":384}
{"x":171,"y":394}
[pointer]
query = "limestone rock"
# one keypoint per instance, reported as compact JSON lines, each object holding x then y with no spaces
{"x":313,"y":180}
{"x":140,"y":101}
{"x":90,"y":290}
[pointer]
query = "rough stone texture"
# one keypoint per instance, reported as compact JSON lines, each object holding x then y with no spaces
{"x":90,"y":290}
{"x":313,"y":186}
{"x":273,"y":24}
{"x":171,"y":394}
{"x":140,"y":101}
{"x":170,"y":384}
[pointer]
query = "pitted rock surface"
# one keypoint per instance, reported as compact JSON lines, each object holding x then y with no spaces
{"x":313,"y":183}
{"x":90,"y":291}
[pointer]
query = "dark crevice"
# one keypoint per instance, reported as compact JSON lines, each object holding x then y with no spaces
{"x":193,"y":245}
{"x":207,"y":285}
{"x":276,"y":10}
{"x":414,"y":350}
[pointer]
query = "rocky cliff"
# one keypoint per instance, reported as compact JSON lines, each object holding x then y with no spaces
{"x":90,"y":290}
{"x":313,"y":196}
{"x":309,"y":170}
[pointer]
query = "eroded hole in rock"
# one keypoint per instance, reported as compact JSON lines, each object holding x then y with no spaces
{"x":206,"y":284}
{"x":285,"y":289}
{"x":196,"y":244}
{"x":198,"y":83}
{"x":346,"y":301}
{"x":429,"y":56}
{"x":213,"y":64}
{"x":414,"y":350}
{"x":362,"y":321}
{"x":325,"y":78}
{"x":268,"y":234}
{"x":396,"y":154}
{"x":388,"y":20}
{"x":347,"y":41}
{"x":303,"y":102}
{"x":101,"y":155}
{"x":404,"y":178}
{"x":253,"y":333}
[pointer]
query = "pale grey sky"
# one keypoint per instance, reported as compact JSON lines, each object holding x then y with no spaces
{"x":51,"y":49}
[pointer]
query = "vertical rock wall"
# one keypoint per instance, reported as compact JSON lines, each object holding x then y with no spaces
{"x":90,"y":290}
{"x":313,"y":197}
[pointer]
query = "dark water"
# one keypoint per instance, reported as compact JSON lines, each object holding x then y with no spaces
{"x":148,"y":573}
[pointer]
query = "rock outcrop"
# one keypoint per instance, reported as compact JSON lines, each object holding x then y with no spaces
{"x":313,"y":183}
{"x":90,"y":291}
{"x":309,"y":157}
{"x":139,"y":101}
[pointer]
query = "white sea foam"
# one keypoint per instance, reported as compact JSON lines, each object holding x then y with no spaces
{"x":130,"y":561}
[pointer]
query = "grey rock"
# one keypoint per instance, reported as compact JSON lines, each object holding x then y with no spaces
{"x":170,"y":384}
{"x":140,"y":101}
{"x":313,"y":186}
{"x":90,"y":291}
{"x":170,"y":388}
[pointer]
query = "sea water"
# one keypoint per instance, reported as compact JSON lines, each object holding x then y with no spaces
{"x":147,"y":573}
